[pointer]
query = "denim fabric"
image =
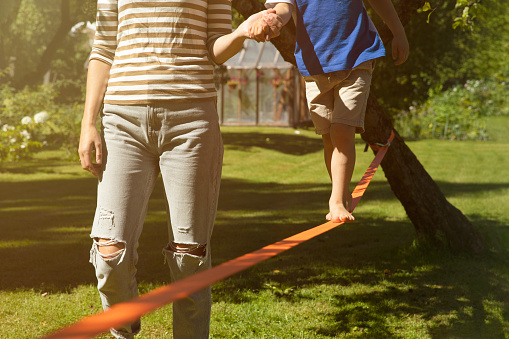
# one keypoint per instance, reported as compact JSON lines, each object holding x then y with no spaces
{"x":182,"y":141}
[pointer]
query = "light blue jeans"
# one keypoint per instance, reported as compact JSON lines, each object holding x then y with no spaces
{"x":182,"y":141}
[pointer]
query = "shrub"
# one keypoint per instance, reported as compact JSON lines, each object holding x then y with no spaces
{"x":63,"y":129}
{"x":17,"y":142}
{"x":33,"y":118}
{"x":458,"y":113}
{"x":14,"y":105}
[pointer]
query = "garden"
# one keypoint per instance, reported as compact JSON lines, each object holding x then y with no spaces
{"x":364,"y":279}
{"x":372,"y":278}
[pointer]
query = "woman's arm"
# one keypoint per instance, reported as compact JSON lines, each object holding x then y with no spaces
{"x":90,"y":139}
{"x":226,"y":46}
{"x":283,"y":10}
{"x":385,"y":9}
{"x":263,"y":28}
{"x":101,"y":58}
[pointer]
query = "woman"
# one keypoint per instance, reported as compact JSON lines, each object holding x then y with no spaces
{"x":150,"y":66}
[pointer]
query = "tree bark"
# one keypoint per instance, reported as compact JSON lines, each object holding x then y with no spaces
{"x":436,"y":221}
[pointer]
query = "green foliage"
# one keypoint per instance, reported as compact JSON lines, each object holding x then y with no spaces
{"x":359,"y":280}
{"x":26,"y":29}
{"x":31,"y":30}
{"x":443,"y":56}
{"x":488,"y":44}
{"x":14,"y":105}
{"x":64,"y":128}
{"x":68,"y":71}
{"x":458,"y":113}
{"x":237,"y":18}
{"x":426,"y":8}
{"x":59,"y":129}
{"x":280,"y":290}
{"x":16,"y":142}
{"x":465,"y":14}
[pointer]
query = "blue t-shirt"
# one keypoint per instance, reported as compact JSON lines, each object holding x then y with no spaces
{"x":333,"y":35}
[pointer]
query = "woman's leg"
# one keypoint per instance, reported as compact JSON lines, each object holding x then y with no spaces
{"x":190,"y":162}
{"x":129,"y":172}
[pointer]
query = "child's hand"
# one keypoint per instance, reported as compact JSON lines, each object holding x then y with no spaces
{"x":400,"y":49}
{"x":258,"y":30}
{"x":265,"y":27}
{"x":274,"y":22}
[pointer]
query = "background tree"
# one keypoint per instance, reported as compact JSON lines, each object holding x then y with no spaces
{"x":34,"y":35}
{"x":8,"y":11}
{"x":31,"y":34}
{"x":436,"y":221}
{"x":442,"y":56}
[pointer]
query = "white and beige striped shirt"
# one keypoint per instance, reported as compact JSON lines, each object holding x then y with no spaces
{"x":159,"y":49}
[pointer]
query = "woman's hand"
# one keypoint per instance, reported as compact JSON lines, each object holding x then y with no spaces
{"x":262,"y":26}
{"x":90,"y":143}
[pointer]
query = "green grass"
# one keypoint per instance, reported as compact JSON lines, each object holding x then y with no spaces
{"x":366,"y":279}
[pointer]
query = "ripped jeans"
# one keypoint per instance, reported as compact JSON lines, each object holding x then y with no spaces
{"x":182,"y":141}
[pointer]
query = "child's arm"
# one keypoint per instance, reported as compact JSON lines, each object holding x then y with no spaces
{"x":385,"y":9}
{"x":269,"y":25}
{"x":284,"y":11}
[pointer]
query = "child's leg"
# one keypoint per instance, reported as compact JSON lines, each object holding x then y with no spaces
{"x":339,"y":153}
{"x":337,"y":103}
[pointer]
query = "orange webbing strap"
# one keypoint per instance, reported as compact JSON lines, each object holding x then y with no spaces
{"x":129,"y":311}
{"x":370,"y":172}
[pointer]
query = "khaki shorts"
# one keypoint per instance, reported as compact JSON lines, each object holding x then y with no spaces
{"x":339,"y":97}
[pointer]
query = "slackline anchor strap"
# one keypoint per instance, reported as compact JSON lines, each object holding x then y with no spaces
{"x":376,"y":146}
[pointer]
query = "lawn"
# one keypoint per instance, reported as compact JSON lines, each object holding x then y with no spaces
{"x":367,"y":279}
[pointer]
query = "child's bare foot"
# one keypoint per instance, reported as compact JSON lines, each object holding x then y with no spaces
{"x":339,"y":212}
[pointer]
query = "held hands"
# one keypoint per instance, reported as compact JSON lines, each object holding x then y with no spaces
{"x":400,"y":49}
{"x":262,"y":26}
{"x":90,"y":142}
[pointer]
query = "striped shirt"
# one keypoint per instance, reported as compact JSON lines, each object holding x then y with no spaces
{"x":158,"y":50}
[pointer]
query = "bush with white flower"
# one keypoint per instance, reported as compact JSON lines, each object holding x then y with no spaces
{"x":39,"y":119}
{"x":16,"y":141}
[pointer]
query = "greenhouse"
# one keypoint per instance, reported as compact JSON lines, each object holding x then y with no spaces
{"x":257,"y":87}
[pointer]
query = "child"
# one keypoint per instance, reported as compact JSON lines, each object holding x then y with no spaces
{"x":337,"y":45}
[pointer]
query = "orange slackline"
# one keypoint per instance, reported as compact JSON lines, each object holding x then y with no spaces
{"x":129,"y":311}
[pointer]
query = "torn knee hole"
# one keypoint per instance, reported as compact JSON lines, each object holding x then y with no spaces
{"x":194,"y":249}
{"x":109,"y":248}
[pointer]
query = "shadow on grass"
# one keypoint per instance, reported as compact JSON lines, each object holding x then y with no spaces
{"x":381,"y":275}
{"x":45,"y":225}
{"x":285,"y":143}
{"x":45,"y":165}
{"x":45,"y":245}
{"x":293,"y":144}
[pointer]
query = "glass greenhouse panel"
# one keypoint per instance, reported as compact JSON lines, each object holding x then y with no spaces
{"x":257,"y":87}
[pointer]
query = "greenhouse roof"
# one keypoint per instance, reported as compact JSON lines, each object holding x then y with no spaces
{"x":257,"y":55}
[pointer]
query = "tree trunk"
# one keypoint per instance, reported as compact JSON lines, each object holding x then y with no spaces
{"x":67,"y":21}
{"x":436,"y":221}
